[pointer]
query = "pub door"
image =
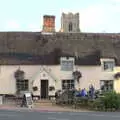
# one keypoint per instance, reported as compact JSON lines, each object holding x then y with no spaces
{"x":44,"y":89}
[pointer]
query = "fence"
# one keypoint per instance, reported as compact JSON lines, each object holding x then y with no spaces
{"x":11,"y":100}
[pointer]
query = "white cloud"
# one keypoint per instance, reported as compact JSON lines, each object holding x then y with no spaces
{"x":12,"y":24}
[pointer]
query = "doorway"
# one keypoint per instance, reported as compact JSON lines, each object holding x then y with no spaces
{"x":44,"y":89}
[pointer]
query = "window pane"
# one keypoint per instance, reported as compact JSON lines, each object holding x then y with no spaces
{"x":22,"y":85}
{"x":67,"y":84}
{"x":67,"y":65}
{"x":108,"y":65}
{"x":106,"y":85}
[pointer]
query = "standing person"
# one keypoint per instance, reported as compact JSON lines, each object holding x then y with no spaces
{"x":32,"y":96}
{"x":23,"y":101}
{"x":91,"y":91}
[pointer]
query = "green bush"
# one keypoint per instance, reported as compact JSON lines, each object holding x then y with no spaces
{"x":81,"y":102}
{"x":109,"y":101}
{"x":96,"y":104}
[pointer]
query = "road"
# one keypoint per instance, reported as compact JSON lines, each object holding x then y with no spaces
{"x":39,"y":115}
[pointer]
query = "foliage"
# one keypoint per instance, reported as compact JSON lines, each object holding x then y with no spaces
{"x":106,"y":101}
{"x":51,"y":88}
{"x":35,"y":88}
{"x":117,"y":75}
{"x":77,"y":75}
{"x":19,"y":74}
{"x":109,"y":101}
{"x":96,"y":104}
{"x":81,"y":102}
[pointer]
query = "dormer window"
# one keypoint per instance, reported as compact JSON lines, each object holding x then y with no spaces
{"x":67,"y":63}
{"x":108,"y":64}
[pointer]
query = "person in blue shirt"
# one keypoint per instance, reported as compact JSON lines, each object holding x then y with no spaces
{"x":83,"y":92}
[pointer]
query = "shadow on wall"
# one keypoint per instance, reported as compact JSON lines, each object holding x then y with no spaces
{"x":92,"y":59}
{"x":52,"y":58}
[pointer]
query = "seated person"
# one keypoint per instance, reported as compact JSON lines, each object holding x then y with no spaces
{"x":83,"y":93}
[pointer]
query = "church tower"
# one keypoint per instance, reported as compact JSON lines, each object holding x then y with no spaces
{"x":70,"y":23}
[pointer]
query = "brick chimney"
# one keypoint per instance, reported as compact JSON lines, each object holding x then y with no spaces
{"x":48,"y":23}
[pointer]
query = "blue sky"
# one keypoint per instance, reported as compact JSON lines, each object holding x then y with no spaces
{"x":27,"y":15}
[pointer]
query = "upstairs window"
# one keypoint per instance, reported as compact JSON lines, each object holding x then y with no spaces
{"x":108,"y":65}
{"x":67,"y":64}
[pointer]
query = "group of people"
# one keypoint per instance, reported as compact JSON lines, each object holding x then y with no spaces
{"x":84,"y":93}
{"x":80,"y":93}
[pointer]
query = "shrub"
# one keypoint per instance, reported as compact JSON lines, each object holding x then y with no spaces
{"x":96,"y":104}
{"x":19,"y":74}
{"x":51,"y":88}
{"x":109,"y":101}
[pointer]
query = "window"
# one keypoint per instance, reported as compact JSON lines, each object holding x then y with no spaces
{"x":106,"y":85}
{"x":67,"y":84}
{"x":108,"y":65}
{"x":70,"y":27}
{"x":67,"y":65}
{"x":22,"y":85}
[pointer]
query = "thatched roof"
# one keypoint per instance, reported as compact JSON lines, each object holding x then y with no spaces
{"x":38,"y":48}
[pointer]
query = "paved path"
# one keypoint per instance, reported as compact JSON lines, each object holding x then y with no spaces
{"x":41,"y":108}
{"x":33,"y":115}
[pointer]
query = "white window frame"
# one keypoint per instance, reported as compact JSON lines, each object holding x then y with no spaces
{"x":70,"y":84}
{"x":65,"y":59}
{"x":22,"y":85}
{"x":107,"y":60}
{"x":109,"y":83}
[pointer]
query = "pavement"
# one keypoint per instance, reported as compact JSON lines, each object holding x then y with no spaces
{"x":43,"y":115}
{"x":50,"y":108}
{"x":42,"y":105}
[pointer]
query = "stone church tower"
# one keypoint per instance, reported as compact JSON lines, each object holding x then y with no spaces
{"x":70,"y":22}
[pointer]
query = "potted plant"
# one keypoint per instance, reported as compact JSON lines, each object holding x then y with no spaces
{"x":51,"y":88}
{"x":77,"y":75}
{"x":35,"y":88}
{"x":19,"y":74}
{"x":117,"y":75}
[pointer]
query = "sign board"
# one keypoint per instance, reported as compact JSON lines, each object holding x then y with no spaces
{"x":29,"y":100}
